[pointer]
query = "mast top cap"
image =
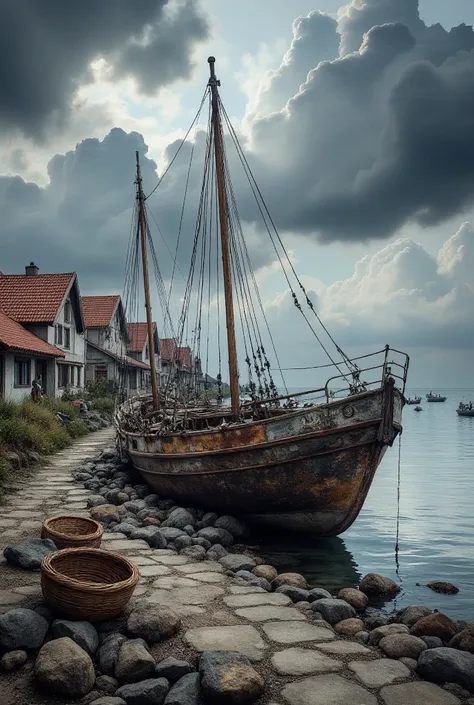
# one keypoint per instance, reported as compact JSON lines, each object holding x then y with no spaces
{"x":212,"y":59}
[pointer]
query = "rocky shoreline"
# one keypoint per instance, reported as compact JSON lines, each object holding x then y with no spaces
{"x":211,"y":623}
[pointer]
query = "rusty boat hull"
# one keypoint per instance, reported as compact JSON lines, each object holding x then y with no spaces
{"x":308,"y":469}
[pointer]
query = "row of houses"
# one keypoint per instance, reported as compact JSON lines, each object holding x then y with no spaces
{"x":47,"y":328}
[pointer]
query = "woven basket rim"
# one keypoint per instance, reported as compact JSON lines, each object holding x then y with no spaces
{"x":99,"y":529}
{"x":49,"y":572}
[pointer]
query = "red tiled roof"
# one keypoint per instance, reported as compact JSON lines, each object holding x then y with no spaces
{"x":138,"y":333}
{"x":98,"y":310}
{"x":33,"y":299}
{"x":185,"y":358}
{"x":167,"y":348}
{"x":14,"y":336}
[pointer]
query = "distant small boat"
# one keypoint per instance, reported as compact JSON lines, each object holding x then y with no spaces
{"x":413,"y":400}
{"x":435,"y":397}
{"x":418,"y":408}
{"x":465,"y":409}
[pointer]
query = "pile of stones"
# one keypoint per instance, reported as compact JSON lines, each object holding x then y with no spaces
{"x":96,"y":420}
{"x":111,"y":663}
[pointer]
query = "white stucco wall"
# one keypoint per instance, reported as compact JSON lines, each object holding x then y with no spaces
{"x":19,"y":393}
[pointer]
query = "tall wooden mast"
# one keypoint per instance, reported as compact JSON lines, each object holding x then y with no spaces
{"x":224,"y":229}
{"x":146,"y":281}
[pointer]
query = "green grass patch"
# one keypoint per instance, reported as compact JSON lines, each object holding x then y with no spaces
{"x":26,"y":426}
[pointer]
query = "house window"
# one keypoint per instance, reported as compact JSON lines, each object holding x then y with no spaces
{"x":67,"y":338}
{"x":63,"y":375}
{"x":22,"y":372}
{"x":67,"y":312}
{"x":146,"y":352}
{"x":58,"y":335}
{"x":101,"y":372}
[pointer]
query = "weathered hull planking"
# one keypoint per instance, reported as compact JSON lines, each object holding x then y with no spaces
{"x":310,"y":469}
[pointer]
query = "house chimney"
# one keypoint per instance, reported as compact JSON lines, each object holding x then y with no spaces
{"x":31,"y":270}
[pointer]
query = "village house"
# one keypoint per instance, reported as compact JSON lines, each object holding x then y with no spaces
{"x":107,"y":340}
{"x":41,"y":332}
{"x":139,"y":348}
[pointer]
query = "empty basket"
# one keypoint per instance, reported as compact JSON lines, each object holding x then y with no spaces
{"x":72,"y":532}
{"x":88,"y":583}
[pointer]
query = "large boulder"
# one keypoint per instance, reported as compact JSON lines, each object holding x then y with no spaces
{"x":227,"y":677}
{"x":349,"y":627}
{"x":83,"y":633}
{"x":318,"y":594}
{"x":22,"y":629}
{"x":152,"y":691}
{"x":333,"y":610}
{"x":447,"y":665}
{"x":402,"y":645}
{"x":436,"y":624}
{"x":187,"y":691}
{"x":29,"y":553}
{"x":464,"y":640}
{"x":134,"y":663}
{"x":237,"y":561}
{"x":64,"y":668}
{"x":375,"y":584}
{"x":153,"y":622}
{"x":216,"y":535}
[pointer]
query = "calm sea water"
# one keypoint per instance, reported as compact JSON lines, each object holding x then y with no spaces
{"x":436,"y":516}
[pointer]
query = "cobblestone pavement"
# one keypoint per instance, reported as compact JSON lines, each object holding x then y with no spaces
{"x":303,"y":662}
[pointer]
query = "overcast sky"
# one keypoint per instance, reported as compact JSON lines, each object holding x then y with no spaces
{"x":357,"y":120}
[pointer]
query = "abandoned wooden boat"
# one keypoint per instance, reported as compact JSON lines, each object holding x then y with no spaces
{"x":435,"y":398}
{"x":413,"y":400}
{"x":465,"y":409}
{"x":299,"y":461}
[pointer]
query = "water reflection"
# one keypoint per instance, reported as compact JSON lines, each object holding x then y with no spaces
{"x":436,"y":518}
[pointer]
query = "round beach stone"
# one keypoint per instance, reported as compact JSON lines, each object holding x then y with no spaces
{"x":153,"y":622}
{"x":134,"y":663}
{"x":447,"y":665}
{"x":106,"y":684}
{"x":333,"y":610}
{"x":375,"y":584}
{"x":29,"y":553}
{"x":83,"y":633}
{"x":464,"y":640}
{"x":64,"y":668}
{"x":293,"y":579}
{"x":108,"y":653}
{"x":22,"y":629}
{"x":377,"y":634}
{"x":216,"y":535}
{"x":13,"y":660}
{"x":232,"y":525}
{"x":265,"y":571}
{"x":229,"y":677}
{"x":187,"y":691}
{"x":412,"y":614}
{"x":179,"y":518}
{"x":356,"y":598}
{"x":152,"y":691}
{"x":436,"y":624}
{"x":295,"y":594}
{"x":398,"y":645}
{"x":237,"y":561}
{"x":432,"y":642}
{"x":106,"y":513}
{"x":318,"y":594}
{"x":172,"y":669}
{"x":349,"y":627}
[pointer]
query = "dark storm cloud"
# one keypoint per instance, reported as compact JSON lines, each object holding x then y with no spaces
{"x":381,"y":135}
{"x":46,"y":48}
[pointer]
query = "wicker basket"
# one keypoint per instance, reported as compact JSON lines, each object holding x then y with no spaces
{"x":87,"y":583}
{"x":72,"y":532}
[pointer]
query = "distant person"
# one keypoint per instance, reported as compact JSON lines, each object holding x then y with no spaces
{"x":36,"y":389}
